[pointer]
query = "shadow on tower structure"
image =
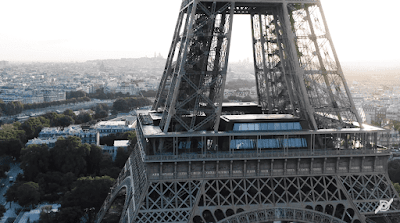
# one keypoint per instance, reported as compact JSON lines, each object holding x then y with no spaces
{"x":300,"y":154}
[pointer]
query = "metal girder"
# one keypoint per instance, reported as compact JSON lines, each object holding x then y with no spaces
{"x":324,"y":81}
{"x":197,"y":77}
{"x":185,"y":170}
{"x":282,"y":214}
{"x":344,"y":197}
{"x":275,"y":79}
{"x":213,"y":200}
{"x":296,"y":66}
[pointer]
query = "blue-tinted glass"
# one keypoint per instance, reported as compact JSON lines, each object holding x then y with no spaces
{"x":297,"y":125}
{"x":284,"y":126}
{"x":184,"y":145}
{"x":236,"y":127}
{"x":264,"y":126}
{"x":240,"y":127}
{"x":242,"y":144}
{"x":274,"y":143}
{"x":278,"y":143}
{"x":277,"y":126}
{"x":304,"y":142}
{"x":250,"y":127}
{"x":286,"y":142}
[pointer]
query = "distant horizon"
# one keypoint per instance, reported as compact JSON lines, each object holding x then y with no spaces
{"x":369,"y":63}
{"x":45,"y":31}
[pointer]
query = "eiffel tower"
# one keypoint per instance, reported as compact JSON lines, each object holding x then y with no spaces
{"x":300,"y":154}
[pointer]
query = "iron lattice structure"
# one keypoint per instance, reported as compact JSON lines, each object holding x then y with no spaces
{"x":300,"y":154}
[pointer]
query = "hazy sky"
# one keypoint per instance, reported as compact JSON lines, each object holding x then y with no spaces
{"x":61,"y":30}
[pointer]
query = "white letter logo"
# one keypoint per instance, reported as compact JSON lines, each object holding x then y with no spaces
{"x":384,"y":206}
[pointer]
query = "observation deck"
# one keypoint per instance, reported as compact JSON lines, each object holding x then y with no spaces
{"x":249,"y":145}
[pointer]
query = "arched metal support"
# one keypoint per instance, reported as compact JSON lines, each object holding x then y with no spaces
{"x":282,"y":214}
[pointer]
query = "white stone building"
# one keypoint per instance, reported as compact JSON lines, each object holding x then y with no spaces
{"x":105,"y":128}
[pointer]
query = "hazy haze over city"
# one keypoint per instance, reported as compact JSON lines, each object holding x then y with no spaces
{"x":45,"y":30}
{"x":76,"y":139}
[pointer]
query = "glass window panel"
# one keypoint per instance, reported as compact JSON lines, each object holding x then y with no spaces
{"x":241,"y":126}
{"x":236,"y":127}
{"x":286,"y":142}
{"x":250,"y":127}
{"x":184,"y":145}
{"x":242,"y":144}
{"x":275,"y":143}
{"x":296,"y":142}
{"x":304,"y":142}
{"x":270,"y":126}
{"x":277,"y":126}
{"x":297,"y":125}
{"x":264,"y":126}
{"x":232,"y":144}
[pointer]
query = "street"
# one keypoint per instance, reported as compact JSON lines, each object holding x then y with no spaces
{"x":41,"y":111}
{"x":11,"y":207}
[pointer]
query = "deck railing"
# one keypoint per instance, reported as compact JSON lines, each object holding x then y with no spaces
{"x":263,"y":154}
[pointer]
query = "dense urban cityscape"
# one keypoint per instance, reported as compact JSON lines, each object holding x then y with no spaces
{"x":109,"y":122}
{"x":245,"y":120}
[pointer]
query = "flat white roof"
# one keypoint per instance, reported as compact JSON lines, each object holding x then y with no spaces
{"x":111,"y":123}
{"x":121,"y":143}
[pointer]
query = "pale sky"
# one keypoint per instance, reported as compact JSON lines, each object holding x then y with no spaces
{"x":61,"y":30}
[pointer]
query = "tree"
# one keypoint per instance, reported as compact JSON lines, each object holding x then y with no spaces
{"x":70,"y":113}
{"x":101,"y":111}
{"x":2,"y":210}
{"x":18,"y":106}
{"x":12,"y":139}
{"x":33,"y":126}
{"x":394,"y":171}
{"x":69,"y":155}
{"x":13,"y":108}
{"x":94,"y":159}
{"x":25,"y":193}
{"x":68,"y":215}
{"x":83,"y":117}
{"x":75,"y":94}
{"x":121,"y":157}
{"x":52,"y":184}
{"x":107,"y":167}
{"x":28,"y":194}
{"x":121,"y":105}
{"x":35,"y":159}
{"x":3,"y":169}
{"x":247,"y":99}
{"x":65,"y":121}
{"x":240,"y":83}
{"x":58,"y":119}
{"x":99,"y":93}
{"x":396,"y":187}
{"x":109,"y":140}
{"x":149,"y":93}
{"x":131,"y":136}
{"x":88,"y":192}
{"x":234,"y":98}
{"x":12,"y":193}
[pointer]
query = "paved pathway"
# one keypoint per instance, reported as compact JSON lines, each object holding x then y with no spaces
{"x":11,"y":207}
